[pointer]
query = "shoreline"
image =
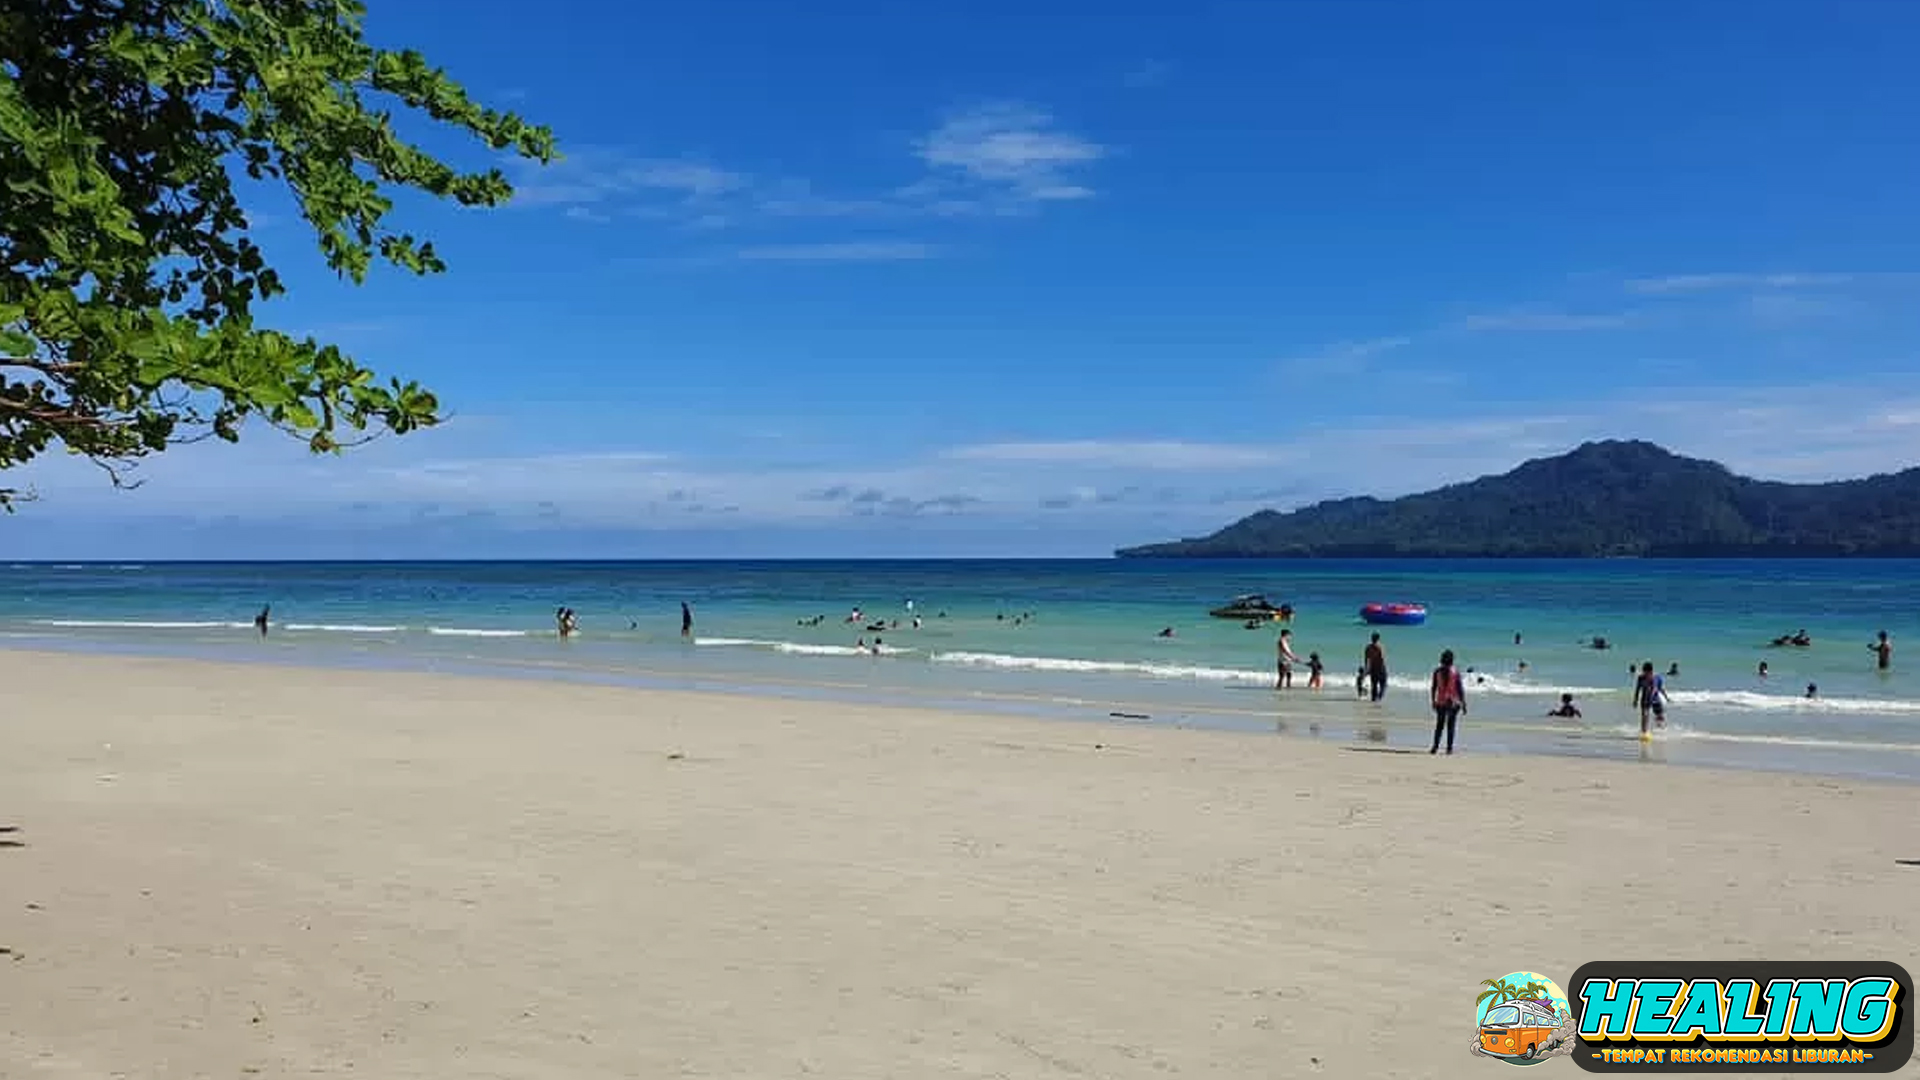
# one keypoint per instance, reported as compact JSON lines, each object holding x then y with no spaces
{"x":1330,"y":717}
{"x":283,"y":870}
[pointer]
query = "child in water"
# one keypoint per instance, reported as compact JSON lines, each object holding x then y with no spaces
{"x":1315,"y":669}
{"x":1360,"y":682}
{"x":1567,"y":708}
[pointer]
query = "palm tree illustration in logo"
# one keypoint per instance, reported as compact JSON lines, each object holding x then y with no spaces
{"x":1500,"y":991}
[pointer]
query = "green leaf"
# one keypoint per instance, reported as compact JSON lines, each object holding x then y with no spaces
{"x":130,"y":261}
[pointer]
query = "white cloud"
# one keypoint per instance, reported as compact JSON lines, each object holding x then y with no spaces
{"x":1692,"y":283}
{"x":994,"y":159}
{"x":1008,"y":150}
{"x":851,"y":251}
{"x":1108,"y":491}
{"x":1546,"y":322}
{"x":596,"y":177}
{"x":1095,"y":453}
{"x":1345,"y":357}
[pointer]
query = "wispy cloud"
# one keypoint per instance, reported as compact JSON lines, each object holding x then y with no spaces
{"x":1693,"y":283}
{"x":1547,"y":322}
{"x":1118,"y":454}
{"x":1344,"y":357}
{"x":1001,"y":158}
{"x":1004,"y":152}
{"x":850,"y":251}
{"x":598,"y":178}
{"x":1108,"y":490}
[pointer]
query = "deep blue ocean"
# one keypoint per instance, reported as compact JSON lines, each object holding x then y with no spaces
{"x":1080,"y":639}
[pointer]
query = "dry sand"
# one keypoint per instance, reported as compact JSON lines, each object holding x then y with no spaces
{"x":231,"y":871}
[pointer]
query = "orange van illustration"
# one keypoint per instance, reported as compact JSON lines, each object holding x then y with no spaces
{"x":1522,"y":1028}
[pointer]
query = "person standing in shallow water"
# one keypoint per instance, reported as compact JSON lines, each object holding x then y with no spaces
{"x":261,"y":621}
{"x":1650,"y":696}
{"x":686,"y":620}
{"x":1376,"y":664}
{"x":1448,"y":695}
{"x":1284,"y":661}
{"x":1882,"y":652}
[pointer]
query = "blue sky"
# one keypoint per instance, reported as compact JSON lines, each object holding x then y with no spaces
{"x":879,"y":279}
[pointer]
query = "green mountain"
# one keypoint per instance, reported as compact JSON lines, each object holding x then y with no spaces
{"x":1604,"y":499}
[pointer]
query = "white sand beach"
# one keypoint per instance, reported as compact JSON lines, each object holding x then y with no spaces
{"x":231,"y":871}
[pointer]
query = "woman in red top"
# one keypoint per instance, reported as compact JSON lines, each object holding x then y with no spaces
{"x":1449,"y":696}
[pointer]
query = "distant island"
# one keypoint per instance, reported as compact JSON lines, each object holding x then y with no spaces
{"x":1604,"y":499}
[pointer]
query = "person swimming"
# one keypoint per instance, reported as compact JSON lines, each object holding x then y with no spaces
{"x":1567,"y":708}
{"x":1600,"y":643}
{"x":1168,"y":632}
{"x":1762,"y":673}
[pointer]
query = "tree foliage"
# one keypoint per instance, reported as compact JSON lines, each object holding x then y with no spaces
{"x":1603,"y":499}
{"x":1500,"y":991}
{"x":128,"y":281}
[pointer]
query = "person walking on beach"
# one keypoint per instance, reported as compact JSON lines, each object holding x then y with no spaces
{"x":686,"y":620}
{"x":266,"y":614}
{"x":1376,"y":665}
{"x":1284,"y":661}
{"x":1882,"y":652}
{"x":1650,"y":695}
{"x":1448,"y":695}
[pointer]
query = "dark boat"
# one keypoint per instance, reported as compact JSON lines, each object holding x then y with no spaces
{"x":1252,"y":606}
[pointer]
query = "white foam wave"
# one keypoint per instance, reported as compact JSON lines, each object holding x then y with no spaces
{"x":468,"y":631}
{"x":342,"y":628}
{"x":1488,"y":683}
{"x":1476,"y":682}
{"x":141,"y":624}
{"x":800,"y":648}
{"x":1053,"y":663}
{"x":1684,"y":733}
{"x":1749,"y":700}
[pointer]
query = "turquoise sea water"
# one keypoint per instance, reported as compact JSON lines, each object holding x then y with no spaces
{"x":1089,"y":647}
